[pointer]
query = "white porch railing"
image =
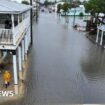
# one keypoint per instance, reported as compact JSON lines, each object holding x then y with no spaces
{"x":20,"y":29}
{"x":6,"y":35}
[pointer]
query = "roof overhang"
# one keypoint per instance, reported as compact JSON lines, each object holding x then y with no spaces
{"x":10,"y":7}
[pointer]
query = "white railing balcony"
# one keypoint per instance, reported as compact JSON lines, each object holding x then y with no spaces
{"x":21,"y":29}
{"x":10,"y":37}
{"x":6,"y":36}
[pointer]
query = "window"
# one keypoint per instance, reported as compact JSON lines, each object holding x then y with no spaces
{"x":5,"y":21}
{"x":15,"y":20}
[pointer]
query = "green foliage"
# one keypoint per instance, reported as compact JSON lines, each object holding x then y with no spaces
{"x":46,"y":3}
{"x":69,"y":5}
{"x":81,"y":14}
{"x":25,"y":2}
{"x":65,"y":7}
{"x":95,"y":6}
{"x":59,"y":7}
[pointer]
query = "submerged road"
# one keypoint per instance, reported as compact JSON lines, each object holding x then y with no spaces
{"x":65,"y":66}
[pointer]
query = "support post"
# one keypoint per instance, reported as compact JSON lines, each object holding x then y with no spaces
{"x":15,"y":72}
{"x":23,"y":54}
{"x":18,"y":19}
{"x":74,"y":16}
{"x":97,"y":36}
{"x":23,"y":50}
{"x":31,"y":19}
{"x":26,"y":47}
{"x":13,"y":30}
{"x":20,"y":63}
{"x":101,"y":38}
{"x":29,"y":38}
{"x":4,"y":53}
{"x":0,"y":53}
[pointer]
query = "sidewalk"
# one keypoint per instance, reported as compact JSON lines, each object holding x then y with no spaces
{"x":92,"y":38}
{"x":8,"y":66}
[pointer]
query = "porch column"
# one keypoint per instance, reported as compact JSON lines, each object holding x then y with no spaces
{"x":29,"y":35}
{"x":15,"y":72}
{"x":4,"y":53}
{"x":13,"y":31}
{"x":23,"y":54}
{"x":101,"y":38}
{"x":20,"y":62}
{"x":0,"y":53}
{"x":26,"y":46}
{"x":97,"y":36}
{"x":28,"y":40}
{"x":18,"y":19}
{"x":23,"y":50}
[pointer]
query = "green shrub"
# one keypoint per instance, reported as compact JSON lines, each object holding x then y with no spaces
{"x":81,"y":14}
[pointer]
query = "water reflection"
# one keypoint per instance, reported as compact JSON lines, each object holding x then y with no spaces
{"x":93,"y":64}
{"x":58,"y":19}
{"x":65,"y":66}
{"x":66,"y":19}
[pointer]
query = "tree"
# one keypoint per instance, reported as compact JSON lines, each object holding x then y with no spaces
{"x":46,"y":3}
{"x":59,"y":7}
{"x":65,"y":8}
{"x":95,"y":7}
{"x":25,"y":2}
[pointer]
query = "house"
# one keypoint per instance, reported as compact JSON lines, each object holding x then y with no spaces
{"x":100,"y":34}
{"x":15,"y":34}
{"x":76,"y":11}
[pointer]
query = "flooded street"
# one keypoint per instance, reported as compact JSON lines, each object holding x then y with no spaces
{"x":65,"y":66}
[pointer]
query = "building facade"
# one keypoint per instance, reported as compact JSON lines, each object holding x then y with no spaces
{"x":15,"y":36}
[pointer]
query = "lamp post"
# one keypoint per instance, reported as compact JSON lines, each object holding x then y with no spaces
{"x":36,"y":12}
{"x":31,"y":19}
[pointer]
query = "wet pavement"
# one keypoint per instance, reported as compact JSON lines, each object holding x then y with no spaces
{"x":65,"y":66}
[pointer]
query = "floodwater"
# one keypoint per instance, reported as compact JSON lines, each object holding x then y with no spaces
{"x":65,"y":66}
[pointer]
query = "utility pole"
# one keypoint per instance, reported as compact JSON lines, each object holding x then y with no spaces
{"x":31,"y":19}
{"x":74,"y":17}
{"x":74,"y":14}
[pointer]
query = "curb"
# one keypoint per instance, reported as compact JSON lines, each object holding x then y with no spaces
{"x":94,"y":41}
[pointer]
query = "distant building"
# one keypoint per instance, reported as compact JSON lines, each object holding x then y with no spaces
{"x":19,"y":1}
{"x":76,"y":11}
